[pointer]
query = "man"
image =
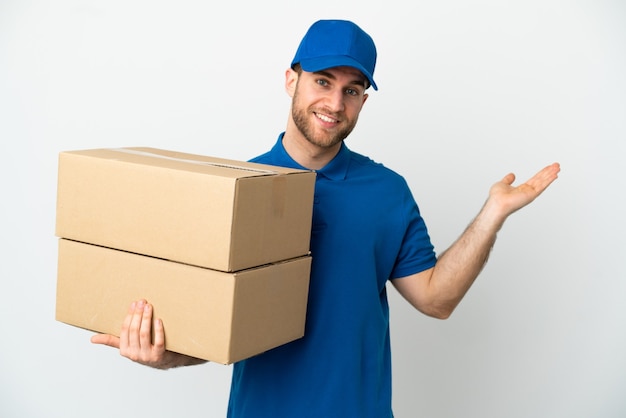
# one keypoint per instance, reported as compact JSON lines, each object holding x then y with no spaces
{"x":367,"y":230}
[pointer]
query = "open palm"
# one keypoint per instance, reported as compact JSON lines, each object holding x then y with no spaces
{"x":511,"y":198}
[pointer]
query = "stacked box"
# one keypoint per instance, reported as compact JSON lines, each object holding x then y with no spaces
{"x":219,"y":247}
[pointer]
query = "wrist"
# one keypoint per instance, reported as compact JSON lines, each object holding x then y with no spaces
{"x":172,"y":360}
{"x":491,"y":217}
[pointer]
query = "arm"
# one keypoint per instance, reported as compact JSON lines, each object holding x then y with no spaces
{"x":135,"y":340}
{"x":438,"y":291}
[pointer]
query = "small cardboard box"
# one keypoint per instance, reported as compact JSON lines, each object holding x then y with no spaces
{"x":221,"y":214}
{"x":214,"y":315}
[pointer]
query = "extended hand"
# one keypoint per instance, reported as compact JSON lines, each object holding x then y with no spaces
{"x":508,"y":198}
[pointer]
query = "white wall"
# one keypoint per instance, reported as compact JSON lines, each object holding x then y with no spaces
{"x":468,"y":92}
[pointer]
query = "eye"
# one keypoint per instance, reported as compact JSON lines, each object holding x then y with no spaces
{"x":352,"y":92}
{"x":322,"y":82}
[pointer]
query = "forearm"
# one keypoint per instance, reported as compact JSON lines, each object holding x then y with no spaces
{"x":459,"y":266}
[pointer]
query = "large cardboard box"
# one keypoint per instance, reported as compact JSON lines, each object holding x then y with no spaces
{"x":210,"y":212}
{"x":213,"y":315}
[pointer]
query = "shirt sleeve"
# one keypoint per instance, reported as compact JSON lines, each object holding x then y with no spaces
{"x":416,"y":252}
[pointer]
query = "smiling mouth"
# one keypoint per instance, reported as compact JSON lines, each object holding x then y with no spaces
{"x":325,"y":118}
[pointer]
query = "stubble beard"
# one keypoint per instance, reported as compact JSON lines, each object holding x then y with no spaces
{"x":323,"y":139}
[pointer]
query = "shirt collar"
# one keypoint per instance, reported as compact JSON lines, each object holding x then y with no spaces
{"x":336,"y":169}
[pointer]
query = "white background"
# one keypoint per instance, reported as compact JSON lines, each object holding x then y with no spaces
{"x":469,"y":90}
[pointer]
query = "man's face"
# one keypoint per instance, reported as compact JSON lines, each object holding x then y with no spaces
{"x":326,"y":104}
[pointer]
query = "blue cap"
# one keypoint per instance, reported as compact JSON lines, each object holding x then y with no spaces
{"x":337,"y":43}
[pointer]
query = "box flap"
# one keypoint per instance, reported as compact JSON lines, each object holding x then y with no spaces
{"x":187,"y":162}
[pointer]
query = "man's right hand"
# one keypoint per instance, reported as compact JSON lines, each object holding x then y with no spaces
{"x":135,"y":340}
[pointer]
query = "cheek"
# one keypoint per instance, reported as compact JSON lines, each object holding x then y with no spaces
{"x":354,"y":109}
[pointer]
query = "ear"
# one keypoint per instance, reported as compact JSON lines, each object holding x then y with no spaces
{"x":291,"y":79}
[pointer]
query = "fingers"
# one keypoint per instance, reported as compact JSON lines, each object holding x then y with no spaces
{"x":106,"y":339}
{"x":551,"y":172}
{"x":504,"y":198}
{"x":126,"y":334}
{"x":508,"y":179}
{"x":136,"y":335}
{"x":540,"y":181}
{"x":145,"y":328}
{"x":136,"y":341}
{"x":159,"y":336}
{"x":139,"y":328}
{"x":115,"y":342}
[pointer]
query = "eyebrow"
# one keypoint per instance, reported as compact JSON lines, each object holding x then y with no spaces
{"x":358,"y":81}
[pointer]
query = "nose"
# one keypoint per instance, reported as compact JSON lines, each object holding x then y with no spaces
{"x":335,"y":100}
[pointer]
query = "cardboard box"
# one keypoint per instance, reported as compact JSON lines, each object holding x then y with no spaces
{"x":213,"y":315}
{"x":209,"y":212}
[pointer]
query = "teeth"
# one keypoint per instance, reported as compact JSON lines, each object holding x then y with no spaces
{"x":325,"y":118}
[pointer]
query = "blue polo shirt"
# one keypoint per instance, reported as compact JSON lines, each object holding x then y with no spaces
{"x":367,"y":229}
